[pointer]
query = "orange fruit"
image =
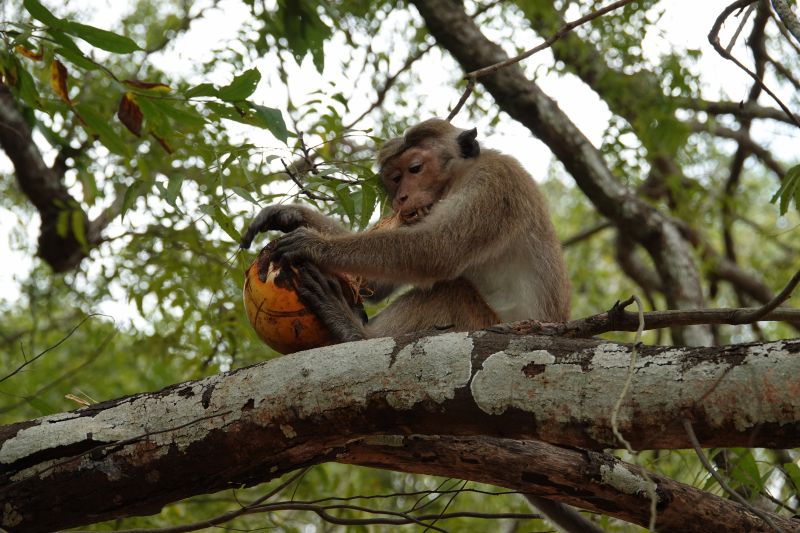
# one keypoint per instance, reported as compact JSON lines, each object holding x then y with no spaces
{"x":275,"y":311}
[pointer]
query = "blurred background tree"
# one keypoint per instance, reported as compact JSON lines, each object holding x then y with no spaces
{"x":134,"y":159}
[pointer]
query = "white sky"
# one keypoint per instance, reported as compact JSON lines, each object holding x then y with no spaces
{"x":685,"y":24}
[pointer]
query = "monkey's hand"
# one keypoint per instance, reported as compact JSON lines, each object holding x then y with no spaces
{"x":299,"y":246}
{"x":283,"y":218}
{"x":322,"y":294}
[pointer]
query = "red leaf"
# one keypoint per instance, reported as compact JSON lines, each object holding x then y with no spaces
{"x":130,"y":114}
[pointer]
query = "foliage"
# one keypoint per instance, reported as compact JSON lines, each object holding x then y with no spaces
{"x":188,"y":157}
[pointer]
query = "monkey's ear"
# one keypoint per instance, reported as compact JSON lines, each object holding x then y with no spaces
{"x":467,"y":143}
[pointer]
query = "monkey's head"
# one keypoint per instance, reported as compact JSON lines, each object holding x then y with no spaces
{"x":416,"y":168}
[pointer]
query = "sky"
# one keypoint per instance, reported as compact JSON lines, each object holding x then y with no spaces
{"x":685,"y":24}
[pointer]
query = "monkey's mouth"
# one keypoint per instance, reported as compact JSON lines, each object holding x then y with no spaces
{"x":415,"y":215}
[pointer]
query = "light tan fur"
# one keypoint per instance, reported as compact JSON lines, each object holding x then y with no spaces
{"x":476,"y":241}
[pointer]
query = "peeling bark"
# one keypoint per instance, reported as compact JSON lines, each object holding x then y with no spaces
{"x":133,"y":455}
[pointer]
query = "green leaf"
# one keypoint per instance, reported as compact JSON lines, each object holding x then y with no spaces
{"x":346,"y":202}
{"x":222,"y":220}
{"x":76,"y":58}
{"x":100,"y":126}
{"x":241,"y":87}
{"x":78,"y":224}
{"x":156,"y":120}
{"x":369,"y":198}
{"x":42,"y":14}
{"x":271,"y":119}
{"x":245,"y":194}
{"x":25,"y":86}
{"x":131,"y":194}
{"x":173,"y":189}
{"x":745,"y":470}
{"x":183,"y":115}
{"x":304,"y":30}
{"x":204,"y":89}
{"x":106,"y":40}
{"x":789,"y":189}
{"x":88,"y":186}
{"x":793,"y":471}
{"x":62,"y":223}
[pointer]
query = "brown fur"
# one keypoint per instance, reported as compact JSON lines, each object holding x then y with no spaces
{"x":476,"y":241}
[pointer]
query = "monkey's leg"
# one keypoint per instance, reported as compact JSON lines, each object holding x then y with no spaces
{"x":454,"y":304}
{"x":323,"y":295}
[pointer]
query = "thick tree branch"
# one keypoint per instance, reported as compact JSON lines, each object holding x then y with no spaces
{"x":135,"y":454}
{"x":585,"y":479}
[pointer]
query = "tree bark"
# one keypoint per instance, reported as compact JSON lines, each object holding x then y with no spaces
{"x":133,"y":455}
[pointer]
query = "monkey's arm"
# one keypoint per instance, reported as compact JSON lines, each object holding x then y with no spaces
{"x":469,"y":227}
{"x":287,"y":218}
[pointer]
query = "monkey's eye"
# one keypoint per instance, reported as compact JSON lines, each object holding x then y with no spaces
{"x":415,"y":168}
{"x":396,"y":179}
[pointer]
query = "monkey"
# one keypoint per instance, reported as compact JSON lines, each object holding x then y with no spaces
{"x":473,"y":237}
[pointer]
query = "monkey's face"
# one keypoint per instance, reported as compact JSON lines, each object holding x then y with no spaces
{"x":415,"y":182}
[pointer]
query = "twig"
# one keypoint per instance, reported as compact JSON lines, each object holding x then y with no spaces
{"x":740,"y":28}
{"x":713,"y":38}
{"x":388,"y":84}
{"x":303,"y":189}
{"x":687,"y":425}
{"x":617,"y":319}
{"x":754,"y":316}
{"x":651,"y":486}
{"x":471,"y":77}
{"x":585,"y":234}
{"x":53,"y":347}
{"x":462,"y":100}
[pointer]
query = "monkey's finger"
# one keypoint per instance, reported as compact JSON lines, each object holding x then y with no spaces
{"x":288,"y":247}
{"x":263,"y":269}
{"x":257,"y":225}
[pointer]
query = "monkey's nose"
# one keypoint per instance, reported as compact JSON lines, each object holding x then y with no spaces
{"x":403,"y":198}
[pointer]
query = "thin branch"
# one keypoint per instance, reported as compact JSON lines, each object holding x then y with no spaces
{"x":713,"y":38}
{"x":53,"y":347}
{"x":471,"y":77}
{"x":617,"y":319}
{"x":389,"y":83}
{"x":744,"y":139}
{"x":754,"y":316}
{"x":738,"y":109}
{"x":23,"y":399}
{"x":303,"y":189}
{"x":740,"y":28}
{"x":713,"y":471}
{"x":585,"y":234}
